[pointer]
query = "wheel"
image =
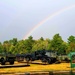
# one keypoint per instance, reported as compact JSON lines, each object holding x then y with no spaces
{"x":2,"y":61}
{"x":43,"y":59}
{"x":27,"y":60}
{"x":49,"y":61}
{"x":2,"y":58}
{"x":11,"y":62}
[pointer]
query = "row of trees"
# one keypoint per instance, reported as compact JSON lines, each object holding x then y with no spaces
{"x":29,"y":45}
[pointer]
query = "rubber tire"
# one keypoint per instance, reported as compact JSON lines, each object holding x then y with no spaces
{"x":49,"y":61}
{"x":11,"y":62}
{"x":3,"y":62}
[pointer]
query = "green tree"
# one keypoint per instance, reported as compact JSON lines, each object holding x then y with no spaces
{"x":29,"y":43}
{"x":6,"y":46}
{"x":1,"y":47}
{"x":56,"y":43}
{"x":71,"y":39}
{"x":71,"y":43}
{"x":13,"y":41}
{"x":41,"y":44}
{"x":20,"y":47}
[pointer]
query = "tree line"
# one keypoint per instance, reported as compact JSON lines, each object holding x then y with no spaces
{"x":29,"y":45}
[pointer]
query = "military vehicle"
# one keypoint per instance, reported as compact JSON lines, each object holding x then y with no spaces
{"x":20,"y":57}
{"x":64,"y":58}
{"x":48,"y":56}
{"x":4,"y":57}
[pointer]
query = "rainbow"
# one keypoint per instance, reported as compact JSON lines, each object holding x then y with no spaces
{"x":48,"y":18}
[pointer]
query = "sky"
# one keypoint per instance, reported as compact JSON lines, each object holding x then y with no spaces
{"x":36,"y":18}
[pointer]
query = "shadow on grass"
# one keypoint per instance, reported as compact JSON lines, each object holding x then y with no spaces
{"x":13,"y":66}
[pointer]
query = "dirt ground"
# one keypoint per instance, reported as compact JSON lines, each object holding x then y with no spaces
{"x":37,"y":67}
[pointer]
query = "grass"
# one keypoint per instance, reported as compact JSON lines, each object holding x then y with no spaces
{"x":37,"y":67}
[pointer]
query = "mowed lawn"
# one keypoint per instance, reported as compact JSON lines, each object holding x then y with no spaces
{"x":38,"y":67}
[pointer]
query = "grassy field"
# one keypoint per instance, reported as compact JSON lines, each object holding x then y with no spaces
{"x":38,"y":67}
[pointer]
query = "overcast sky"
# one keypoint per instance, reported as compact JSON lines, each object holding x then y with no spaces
{"x":19,"y":17}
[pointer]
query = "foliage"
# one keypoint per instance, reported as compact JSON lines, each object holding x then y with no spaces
{"x":29,"y":45}
{"x":71,"y":43}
